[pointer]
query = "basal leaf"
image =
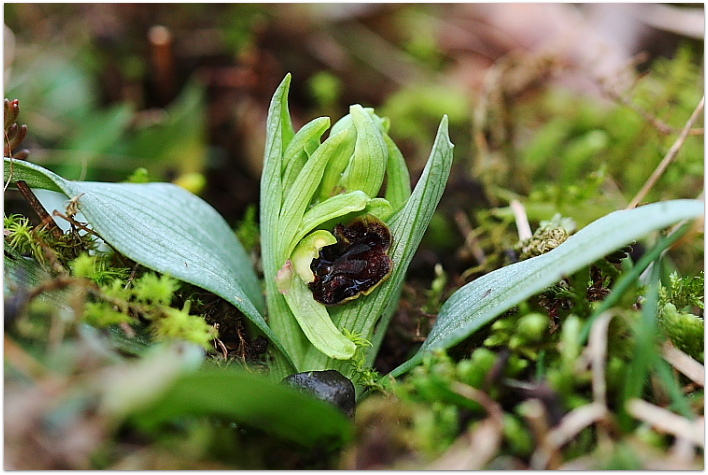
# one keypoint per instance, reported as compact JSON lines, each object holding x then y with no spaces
{"x":167,"y":229}
{"x":15,"y":171}
{"x":482,"y":300}
{"x":21,"y":274}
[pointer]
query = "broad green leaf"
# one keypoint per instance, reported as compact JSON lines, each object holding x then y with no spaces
{"x":15,"y":170}
{"x":167,"y":229}
{"x":407,"y":228}
{"x":21,"y":271}
{"x":482,"y":300}
{"x":21,"y":274}
{"x":249,"y":400}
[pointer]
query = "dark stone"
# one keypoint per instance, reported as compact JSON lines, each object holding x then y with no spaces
{"x":330,"y":386}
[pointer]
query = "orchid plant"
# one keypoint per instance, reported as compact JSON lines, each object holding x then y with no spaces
{"x":309,"y":187}
{"x":335,"y":248}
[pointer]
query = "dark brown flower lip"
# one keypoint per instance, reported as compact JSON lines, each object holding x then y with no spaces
{"x":355,"y":265}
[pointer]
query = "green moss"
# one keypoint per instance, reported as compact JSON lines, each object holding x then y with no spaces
{"x":103,"y":314}
{"x":151,"y":288}
{"x":685,"y":330}
{"x":177,"y":324}
{"x":683,"y":292}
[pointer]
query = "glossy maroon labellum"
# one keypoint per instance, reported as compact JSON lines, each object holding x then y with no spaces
{"x":355,"y":265}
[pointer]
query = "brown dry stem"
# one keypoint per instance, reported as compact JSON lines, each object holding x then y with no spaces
{"x":669,"y":157}
{"x":478,"y":445}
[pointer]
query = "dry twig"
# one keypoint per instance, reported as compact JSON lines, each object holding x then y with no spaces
{"x":475,"y":448}
{"x":668,"y":422}
{"x":570,"y":426}
{"x":669,"y":157}
{"x":691,"y":368}
{"x":522,"y":221}
{"x":32,"y":200}
{"x":597,"y":346}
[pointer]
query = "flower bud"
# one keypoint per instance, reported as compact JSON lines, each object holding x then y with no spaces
{"x":367,"y":166}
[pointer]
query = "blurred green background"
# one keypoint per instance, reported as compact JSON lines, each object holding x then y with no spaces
{"x":568,"y":108}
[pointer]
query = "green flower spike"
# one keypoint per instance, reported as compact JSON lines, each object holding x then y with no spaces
{"x":308,"y":187}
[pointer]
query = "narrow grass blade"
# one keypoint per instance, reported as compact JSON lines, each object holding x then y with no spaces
{"x":645,"y":351}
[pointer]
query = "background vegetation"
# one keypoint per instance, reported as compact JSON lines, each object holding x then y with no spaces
{"x":552,"y":106}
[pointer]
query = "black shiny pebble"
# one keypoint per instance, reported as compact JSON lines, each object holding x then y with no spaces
{"x":330,"y":386}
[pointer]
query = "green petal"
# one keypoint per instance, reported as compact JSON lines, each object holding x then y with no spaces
{"x":313,"y":318}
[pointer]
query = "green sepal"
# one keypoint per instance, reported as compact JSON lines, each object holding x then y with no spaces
{"x":380,"y":207}
{"x":332,"y":208}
